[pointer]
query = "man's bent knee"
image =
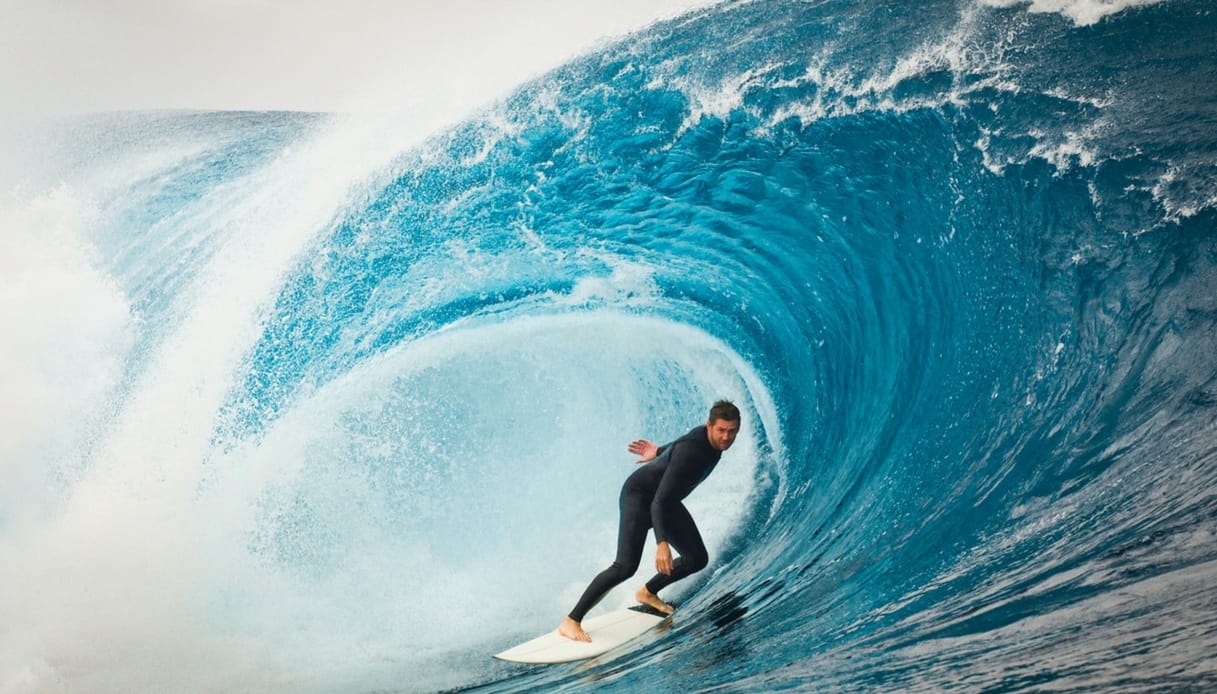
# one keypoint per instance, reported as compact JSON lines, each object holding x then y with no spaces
{"x":697,"y":562}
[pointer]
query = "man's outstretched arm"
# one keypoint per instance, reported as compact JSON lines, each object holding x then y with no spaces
{"x":645,"y":450}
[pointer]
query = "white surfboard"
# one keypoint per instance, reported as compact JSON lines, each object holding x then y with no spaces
{"x":607,"y":631}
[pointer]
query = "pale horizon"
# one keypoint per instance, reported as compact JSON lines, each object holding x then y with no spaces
{"x":77,"y":57}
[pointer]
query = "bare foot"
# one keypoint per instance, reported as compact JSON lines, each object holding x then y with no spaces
{"x":652,"y":600}
{"x":573,"y":630}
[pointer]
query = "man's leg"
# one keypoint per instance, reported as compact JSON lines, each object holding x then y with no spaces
{"x":631,"y":536}
{"x":684,"y":537}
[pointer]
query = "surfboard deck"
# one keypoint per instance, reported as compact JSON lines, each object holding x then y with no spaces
{"x":607,"y":631}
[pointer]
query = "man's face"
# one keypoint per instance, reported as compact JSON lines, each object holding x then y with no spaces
{"x":722,"y":433}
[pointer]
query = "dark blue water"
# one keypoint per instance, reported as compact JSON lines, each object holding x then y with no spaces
{"x":364,"y":405}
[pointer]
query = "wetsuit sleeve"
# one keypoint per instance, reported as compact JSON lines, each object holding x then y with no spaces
{"x":681,"y":475}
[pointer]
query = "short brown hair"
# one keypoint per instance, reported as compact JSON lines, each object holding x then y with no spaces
{"x":725,"y":410}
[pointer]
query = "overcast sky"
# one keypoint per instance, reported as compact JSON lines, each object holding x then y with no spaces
{"x":72,"y":56}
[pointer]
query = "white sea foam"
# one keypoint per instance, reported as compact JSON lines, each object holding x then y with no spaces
{"x":106,"y":553}
{"x":629,"y":284}
{"x":67,"y":329}
{"x":1082,"y":12}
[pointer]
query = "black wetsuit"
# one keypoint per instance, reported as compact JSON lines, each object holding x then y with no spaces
{"x":651,"y":498}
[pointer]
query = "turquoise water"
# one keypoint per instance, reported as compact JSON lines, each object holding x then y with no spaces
{"x":310,"y":406}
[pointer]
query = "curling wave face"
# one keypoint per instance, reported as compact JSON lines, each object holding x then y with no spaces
{"x":355,"y":412}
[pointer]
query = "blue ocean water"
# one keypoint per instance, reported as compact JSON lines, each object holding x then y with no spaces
{"x":306,"y":405}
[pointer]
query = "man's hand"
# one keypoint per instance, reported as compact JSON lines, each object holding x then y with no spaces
{"x":644,"y":449}
{"x":663,"y":559}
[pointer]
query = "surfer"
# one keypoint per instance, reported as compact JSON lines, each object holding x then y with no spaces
{"x":651,"y":498}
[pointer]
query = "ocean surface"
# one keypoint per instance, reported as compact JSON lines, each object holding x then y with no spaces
{"x":302,"y":402}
